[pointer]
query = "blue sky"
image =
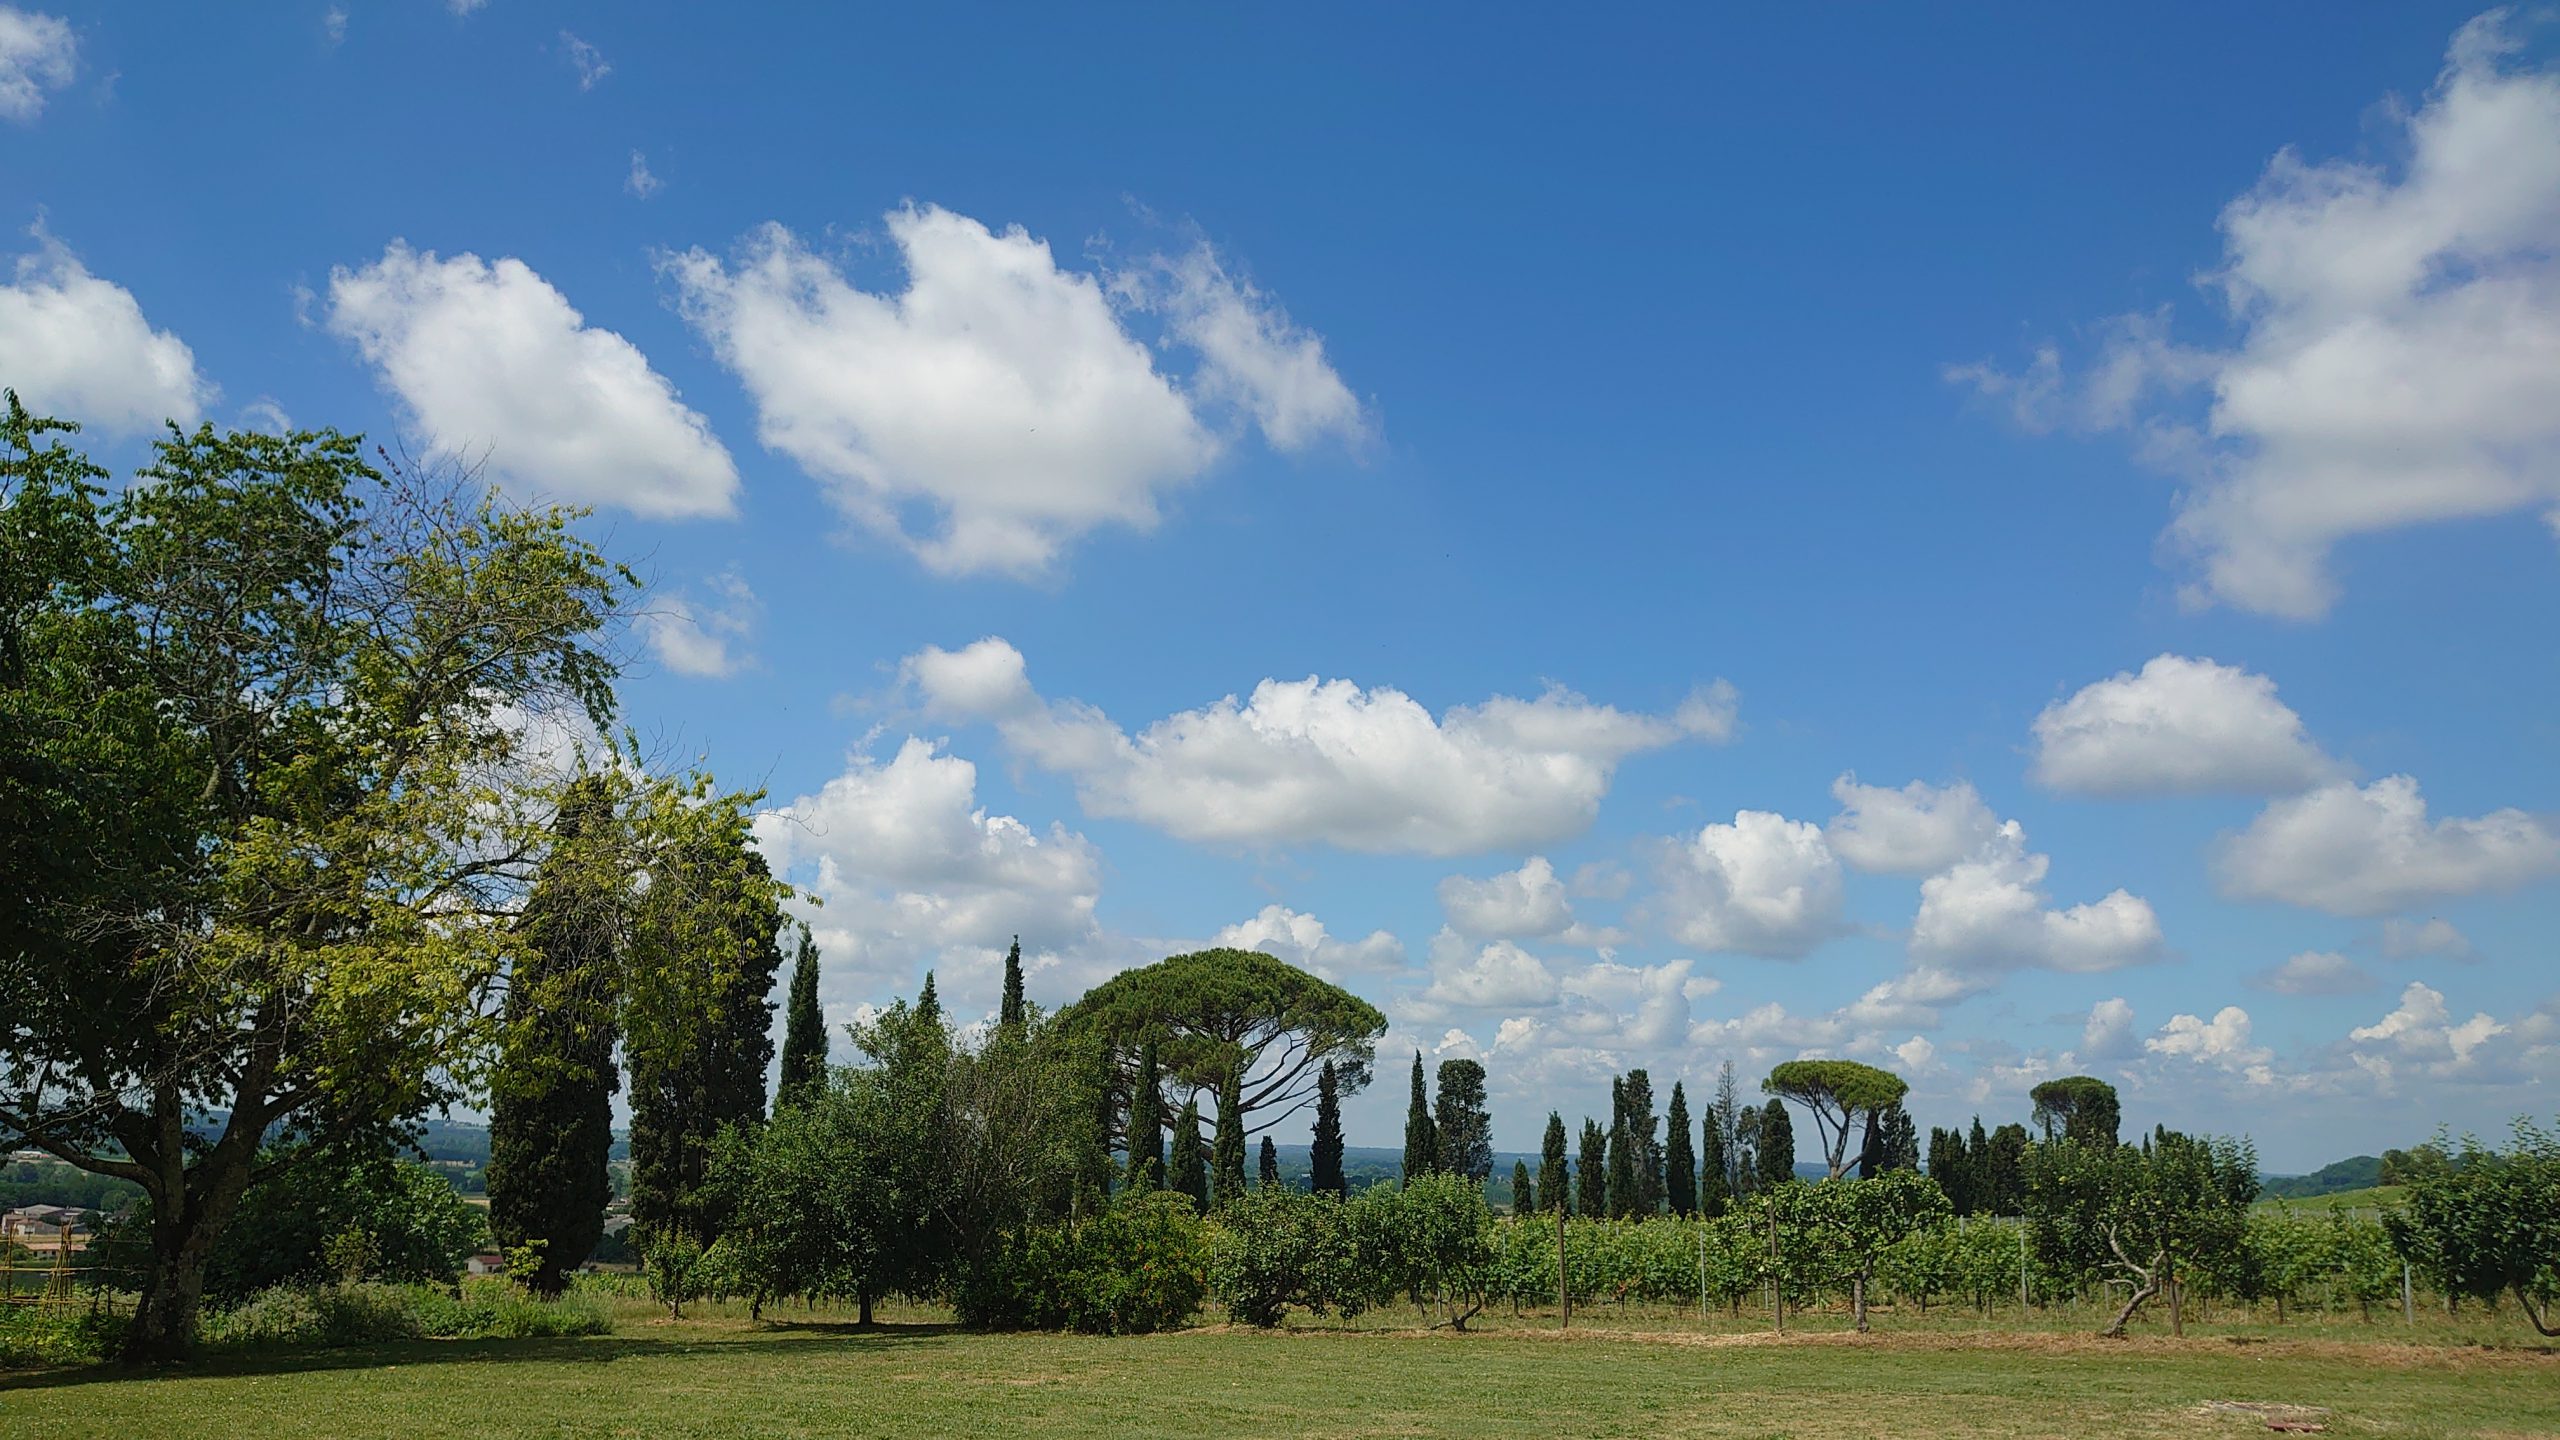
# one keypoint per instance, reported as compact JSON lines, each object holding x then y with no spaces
{"x":1451,"y":497}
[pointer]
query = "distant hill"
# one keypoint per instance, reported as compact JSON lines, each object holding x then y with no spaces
{"x":2356,"y":1172}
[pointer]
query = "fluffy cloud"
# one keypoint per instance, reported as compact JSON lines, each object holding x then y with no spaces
{"x":1525,"y":904}
{"x":2364,"y":851}
{"x":37,"y":53}
{"x":2108,"y":1035}
{"x":2396,"y":328}
{"x":2181,"y":726}
{"x":2421,"y":1028}
{"x":1301,"y":940}
{"x":997,"y":408}
{"x":2410,"y":940}
{"x":1988,"y":913}
{"x":76,"y":346}
{"x":1762,"y":885}
{"x":1323,"y":760}
{"x":586,"y":59}
{"x":2314,"y":972}
{"x":2222,"y":1042}
{"x":1251,"y":356}
{"x":1496,"y":976}
{"x":703,"y":638}
{"x":1911,"y":831}
{"x":490,"y":356}
{"x":911,"y":868}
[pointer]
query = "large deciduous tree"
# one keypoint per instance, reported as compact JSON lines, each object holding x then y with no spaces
{"x":2077,"y":1107}
{"x":551,"y":1095}
{"x":1839,"y":1095}
{"x":268,"y":804}
{"x":1219,"y":1013}
{"x":2140,"y":1214}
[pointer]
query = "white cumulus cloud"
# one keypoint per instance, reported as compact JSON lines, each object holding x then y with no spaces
{"x":1760,"y":885}
{"x":2223,"y":1042}
{"x":2422,"y":1028}
{"x":489,"y":357}
{"x":1251,"y":355}
{"x":2397,"y":359}
{"x":2180,"y":726}
{"x":1322,"y":760}
{"x":2366,"y":850}
{"x":38,"y":53}
{"x":1989,"y":913}
{"x":1301,"y":939}
{"x":1529,"y":903}
{"x":1911,"y":831}
{"x":704,"y":637}
{"x":77,"y":347}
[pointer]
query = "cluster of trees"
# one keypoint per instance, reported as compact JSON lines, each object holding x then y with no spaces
{"x":275,"y":807}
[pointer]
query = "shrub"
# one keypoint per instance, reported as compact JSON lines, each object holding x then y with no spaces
{"x":371,"y":1314}
{"x":34,"y":1335}
{"x":1137,"y":1267}
{"x":1273,"y":1248}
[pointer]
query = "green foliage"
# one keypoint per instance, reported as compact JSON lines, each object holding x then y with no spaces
{"x":1011,"y":1011}
{"x":1324,"y":1155}
{"x":1216,"y":1014}
{"x":1227,"y":1154}
{"x":337,"y":1316}
{"x":551,"y":1120}
{"x":1524,"y":1191}
{"x":1146,"y":1125}
{"x":1679,"y":1157}
{"x":2357,"y":1172}
{"x":1461,"y":1126}
{"x":2488,"y":1222}
{"x":1838,"y":1094}
{"x":1774,"y":1144}
{"x":1591,"y":1171}
{"x":1421,"y":1144}
{"x":1852,"y":1224}
{"x":1190,"y":1157}
{"x":1135,"y":1268}
{"x":2142,"y":1214}
{"x":1890,"y":1142}
{"x":1555,"y":1192}
{"x":804,"y":1026}
{"x":2077,"y":1107}
{"x":1281,"y":1248}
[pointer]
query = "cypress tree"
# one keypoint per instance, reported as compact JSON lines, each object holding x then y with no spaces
{"x":1622,"y":1159}
{"x":709,"y":1025}
{"x":1146,"y":1124}
{"x":1777,"y":1141}
{"x":1679,"y":1160}
{"x":1714,"y":1195}
{"x":1190,"y":1156}
{"x":1946,"y":1166}
{"x":1644,"y":1146}
{"x":1553,"y":1192}
{"x":1977,"y":1167}
{"x":804,"y":1030}
{"x":551,"y":1124}
{"x":1889,"y":1143}
{"x":1421,"y":1150}
{"x":1011,"y":1015}
{"x":1591,"y":1171}
{"x":1228,"y":1157}
{"x":2004,"y":1176}
{"x":1461,"y":1127}
{"x":1324,"y":1156}
{"x":1524,"y":1193}
{"x":1270,"y":1179}
{"x":928,"y":1004}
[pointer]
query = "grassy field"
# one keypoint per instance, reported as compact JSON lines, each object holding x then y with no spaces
{"x":2377,"y":1198}
{"x":1628,"y":1373}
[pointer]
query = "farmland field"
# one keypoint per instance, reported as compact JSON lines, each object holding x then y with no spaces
{"x":1639,"y":1372}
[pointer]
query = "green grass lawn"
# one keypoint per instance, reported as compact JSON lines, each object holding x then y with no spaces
{"x":718,"y":1375}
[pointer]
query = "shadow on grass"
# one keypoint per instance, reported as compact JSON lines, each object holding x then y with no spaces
{"x":799,"y":1338}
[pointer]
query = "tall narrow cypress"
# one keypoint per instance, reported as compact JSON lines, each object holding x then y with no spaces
{"x":804,"y":1030}
{"x":1644,"y":1146}
{"x":1146,"y":1124}
{"x":1622,"y":1158}
{"x":1679,"y":1158}
{"x":1777,"y":1145}
{"x":1591,"y":1171}
{"x":551,"y":1124}
{"x":1524,"y":1191}
{"x":1421,"y":1153}
{"x":1011,"y":1015}
{"x":1190,"y":1156}
{"x":1461,"y":1127}
{"x":1228,"y":1158}
{"x":1552,"y":1189}
{"x":1324,"y":1156}
{"x":1270,"y":1177}
{"x":928,"y":1004}
{"x":1714,"y":1195}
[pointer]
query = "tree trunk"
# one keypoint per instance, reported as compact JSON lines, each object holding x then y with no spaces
{"x":2541,"y":1321}
{"x":184,"y":1226}
{"x":864,"y":1302}
{"x":1858,"y":1301}
{"x":2132,"y":1303}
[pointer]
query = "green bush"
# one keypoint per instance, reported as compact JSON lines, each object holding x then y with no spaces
{"x":1138,"y":1267}
{"x":370,"y":1314}
{"x":35,"y":1335}
{"x":1270,"y":1249}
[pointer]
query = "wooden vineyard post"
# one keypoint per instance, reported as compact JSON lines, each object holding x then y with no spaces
{"x":2408,"y":1297}
{"x":2022,"y":1268}
{"x":1702,"y":1274}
